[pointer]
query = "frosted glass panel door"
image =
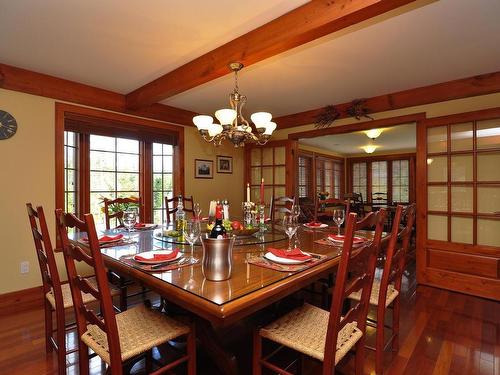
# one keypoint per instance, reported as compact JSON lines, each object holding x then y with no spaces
{"x":462,"y":202}
{"x":269,"y":162}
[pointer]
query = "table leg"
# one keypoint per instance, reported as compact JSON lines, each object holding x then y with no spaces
{"x":211,"y":343}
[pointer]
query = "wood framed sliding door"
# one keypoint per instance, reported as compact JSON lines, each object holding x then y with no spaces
{"x":458,"y":174}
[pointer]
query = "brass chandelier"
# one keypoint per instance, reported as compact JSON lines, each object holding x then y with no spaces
{"x":232,"y":124}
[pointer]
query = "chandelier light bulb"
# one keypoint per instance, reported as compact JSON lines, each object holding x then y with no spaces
{"x":261,"y":119}
{"x":369,"y":149}
{"x":270,"y":127}
{"x":203,"y":122}
{"x":225,"y":116}
{"x":373,"y":133}
{"x":214,"y":129}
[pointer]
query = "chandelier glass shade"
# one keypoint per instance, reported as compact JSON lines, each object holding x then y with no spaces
{"x":373,"y":133}
{"x":232,"y":124}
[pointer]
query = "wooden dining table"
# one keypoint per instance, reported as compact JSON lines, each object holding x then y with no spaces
{"x":222,"y":303}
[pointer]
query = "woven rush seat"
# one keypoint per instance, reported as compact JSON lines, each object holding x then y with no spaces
{"x":139,"y":328}
{"x":304,"y":329}
{"x":391,"y":294}
{"x":68,"y":300}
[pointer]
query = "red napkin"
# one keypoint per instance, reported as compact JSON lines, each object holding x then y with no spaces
{"x":106,"y":238}
{"x":294,"y":254}
{"x":341,"y":237}
{"x":159,"y":257}
{"x":314,"y":224}
{"x":139,"y":225}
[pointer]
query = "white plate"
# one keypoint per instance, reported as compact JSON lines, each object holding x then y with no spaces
{"x":323,"y":225}
{"x":86,"y":242}
{"x":146,"y":227}
{"x":152,"y":253}
{"x":273,"y":258}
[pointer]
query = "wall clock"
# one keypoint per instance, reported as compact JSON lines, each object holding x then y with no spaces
{"x":8,"y":125}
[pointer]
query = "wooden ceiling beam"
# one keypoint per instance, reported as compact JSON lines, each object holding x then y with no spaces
{"x":458,"y":89}
{"x":306,"y":23}
{"x":17,"y":79}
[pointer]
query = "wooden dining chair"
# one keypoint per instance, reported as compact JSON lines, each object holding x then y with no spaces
{"x":122,"y":338}
{"x":171,"y":206}
{"x":386,"y":292}
{"x":324,"y":335}
{"x":122,"y":282}
{"x":281,"y":206}
{"x":356,"y":203}
{"x":109,"y":215}
{"x":331,"y":204}
{"x":57,"y":294}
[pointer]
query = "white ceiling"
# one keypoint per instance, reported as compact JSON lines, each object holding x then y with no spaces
{"x":122,"y":44}
{"x":396,"y":138}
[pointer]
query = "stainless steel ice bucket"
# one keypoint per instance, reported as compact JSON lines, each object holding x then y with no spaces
{"x":217,"y":258}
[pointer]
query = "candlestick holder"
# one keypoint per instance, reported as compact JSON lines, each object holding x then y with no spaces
{"x":248,"y":208}
{"x":262,"y":221}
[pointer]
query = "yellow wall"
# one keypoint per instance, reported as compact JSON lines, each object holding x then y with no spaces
{"x":319,"y":150}
{"x":27,"y":175}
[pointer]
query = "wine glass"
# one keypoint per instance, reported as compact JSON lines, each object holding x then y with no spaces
{"x":197,"y":211}
{"x":290,"y":225}
{"x":338,"y":217}
{"x":129,"y":220}
{"x":296,"y":210}
{"x":192,"y":231}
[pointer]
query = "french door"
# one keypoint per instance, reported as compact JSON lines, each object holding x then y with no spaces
{"x":459,"y":203}
{"x":275,"y":162}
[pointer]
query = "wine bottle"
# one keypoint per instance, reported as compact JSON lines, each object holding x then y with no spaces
{"x":218,"y":231}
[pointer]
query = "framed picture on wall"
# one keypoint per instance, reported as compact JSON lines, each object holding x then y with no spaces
{"x":224,"y":164}
{"x":203,"y":168}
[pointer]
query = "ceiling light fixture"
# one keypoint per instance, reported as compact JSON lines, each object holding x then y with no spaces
{"x":369,"y":148}
{"x":373,"y":133}
{"x":233,"y":126}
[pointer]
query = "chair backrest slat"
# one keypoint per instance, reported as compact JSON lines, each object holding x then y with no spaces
{"x":45,"y":254}
{"x":282,"y":205}
{"x":93,"y":257}
{"x":171,"y":206}
{"x":119,"y":214}
{"x":355,"y":272}
{"x":397,"y":248}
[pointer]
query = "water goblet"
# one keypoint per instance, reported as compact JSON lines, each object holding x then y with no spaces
{"x":290,"y":225}
{"x":197,"y":211}
{"x":338,"y":218}
{"x":192,"y":231}
{"x":129,"y":220}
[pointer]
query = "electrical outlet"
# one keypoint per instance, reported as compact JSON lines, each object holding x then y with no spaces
{"x":25,"y":267}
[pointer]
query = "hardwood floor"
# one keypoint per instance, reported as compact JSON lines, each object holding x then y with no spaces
{"x":442,"y":332}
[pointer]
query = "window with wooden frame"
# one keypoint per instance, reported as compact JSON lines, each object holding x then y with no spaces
{"x":108,"y":155}
{"x":304,"y":178}
{"x":359,"y":183}
{"x":383,"y":178}
{"x":329,"y":176}
{"x":319,"y":172}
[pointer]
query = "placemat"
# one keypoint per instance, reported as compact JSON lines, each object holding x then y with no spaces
{"x":122,"y":242}
{"x":260,"y":261}
{"x":326,"y":242}
{"x":128,"y":259}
